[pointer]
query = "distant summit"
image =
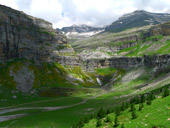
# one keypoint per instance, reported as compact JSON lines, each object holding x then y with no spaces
{"x":138,"y":18}
{"x":80,"y":28}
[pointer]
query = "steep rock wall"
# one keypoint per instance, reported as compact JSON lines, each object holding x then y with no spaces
{"x":23,"y":36}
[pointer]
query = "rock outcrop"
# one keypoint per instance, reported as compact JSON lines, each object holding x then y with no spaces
{"x":24,"y":36}
{"x":162,"y":29}
{"x":119,"y":63}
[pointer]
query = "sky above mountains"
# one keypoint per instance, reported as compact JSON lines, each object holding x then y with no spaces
{"x":91,"y":12}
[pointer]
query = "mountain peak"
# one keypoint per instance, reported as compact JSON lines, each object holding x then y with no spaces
{"x":137,"y":18}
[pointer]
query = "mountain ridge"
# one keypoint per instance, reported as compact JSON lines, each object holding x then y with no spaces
{"x":137,"y":18}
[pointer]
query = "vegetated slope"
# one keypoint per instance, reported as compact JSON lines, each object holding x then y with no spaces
{"x":107,"y":44}
{"x":148,"y":40}
{"x":142,"y":111}
{"x":138,"y":18}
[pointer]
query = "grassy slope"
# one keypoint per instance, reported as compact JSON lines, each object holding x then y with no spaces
{"x":63,"y":118}
{"x":156,"y":114}
{"x":104,"y":39}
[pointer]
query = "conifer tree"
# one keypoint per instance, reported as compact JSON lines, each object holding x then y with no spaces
{"x":122,"y":126}
{"x":127,"y":105}
{"x":142,"y":98}
{"x":132,"y":107}
{"x":149,"y":102}
{"x":99,"y":123}
{"x":122,"y":107}
{"x":116,"y":122}
{"x":166,"y":92}
{"x":108,"y":111}
{"x":101,"y":113}
{"x":134,"y":116}
{"x":117,"y":111}
{"x":107,"y":119}
{"x":140,"y":106}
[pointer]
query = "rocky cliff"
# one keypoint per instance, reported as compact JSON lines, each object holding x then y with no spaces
{"x":162,"y":29}
{"x":31,"y":52}
{"x":24,"y":36}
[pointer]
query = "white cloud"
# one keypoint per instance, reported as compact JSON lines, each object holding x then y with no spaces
{"x":92,"y":12}
{"x":9,"y":3}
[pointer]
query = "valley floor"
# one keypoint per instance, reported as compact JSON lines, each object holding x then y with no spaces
{"x":54,"y":112}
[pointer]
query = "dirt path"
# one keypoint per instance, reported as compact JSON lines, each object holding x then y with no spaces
{"x":35,"y":102}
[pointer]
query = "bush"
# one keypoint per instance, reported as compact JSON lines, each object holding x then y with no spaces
{"x":142,"y":98}
{"x":117,"y":111}
{"x":134,"y":116}
{"x":149,"y":102}
{"x":107,"y":119}
{"x":122,"y":126}
{"x":123,"y":107}
{"x":99,"y":123}
{"x":116,"y":122}
{"x":132,"y":107}
{"x":140,"y":106}
{"x":166,"y":92}
{"x":101,"y":113}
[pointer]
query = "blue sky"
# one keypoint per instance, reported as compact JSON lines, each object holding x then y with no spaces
{"x":91,"y":12}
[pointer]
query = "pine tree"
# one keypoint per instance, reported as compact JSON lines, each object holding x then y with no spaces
{"x":116,"y":122}
{"x":99,"y":123}
{"x":134,"y":116}
{"x":140,"y":106}
{"x":108,"y":111}
{"x":149,"y":102}
{"x":153,"y":96}
{"x":123,"y":107}
{"x":107,"y":119}
{"x":122,"y":126}
{"x":101,"y":113}
{"x":142,"y":98}
{"x":132,"y":107}
{"x":81,"y":123}
{"x":127,"y":105}
{"x":86,"y":119}
{"x":117,"y":111}
{"x":166,"y":92}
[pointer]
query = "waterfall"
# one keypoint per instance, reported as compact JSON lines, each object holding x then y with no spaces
{"x":98,"y":80}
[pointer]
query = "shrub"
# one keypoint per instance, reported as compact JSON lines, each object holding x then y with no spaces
{"x":116,"y":122}
{"x":149,"y":102}
{"x":107,"y":119}
{"x":140,"y":106}
{"x":132,"y":107}
{"x":99,"y":123}
{"x":134,"y":116}
{"x":166,"y":92}
{"x":101,"y":113}
{"x":122,"y":126}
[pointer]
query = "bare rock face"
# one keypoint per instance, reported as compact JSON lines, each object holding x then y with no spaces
{"x":120,"y":63}
{"x":24,"y":79}
{"x":24,"y":36}
{"x":162,"y":29}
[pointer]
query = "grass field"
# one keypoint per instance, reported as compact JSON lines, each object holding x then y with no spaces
{"x":157,"y":114}
{"x":63,"y":118}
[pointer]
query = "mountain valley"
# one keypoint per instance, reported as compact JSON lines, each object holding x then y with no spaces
{"x":82,"y":76}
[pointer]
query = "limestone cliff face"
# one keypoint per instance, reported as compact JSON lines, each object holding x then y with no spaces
{"x":24,"y":36}
{"x":162,"y":29}
{"x":119,"y":63}
{"x":31,"y":53}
